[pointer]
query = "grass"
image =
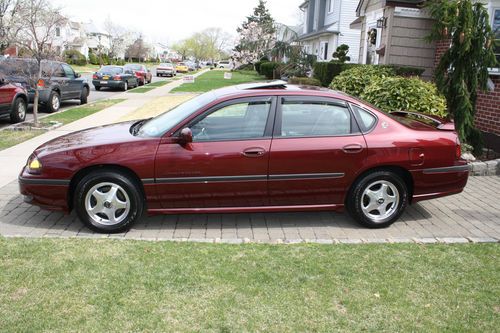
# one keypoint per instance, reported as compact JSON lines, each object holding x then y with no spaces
{"x":141,"y":90}
{"x":9,"y":138}
{"x":158,"y":83}
{"x":89,"y":68}
{"x":215,"y":79}
{"x":116,"y":286}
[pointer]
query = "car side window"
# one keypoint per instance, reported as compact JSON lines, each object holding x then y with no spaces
{"x":68,"y":71}
{"x":367,"y":120}
{"x":239,"y":121}
{"x":306,"y":119}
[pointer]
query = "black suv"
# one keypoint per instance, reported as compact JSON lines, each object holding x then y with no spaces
{"x":59,"y":81}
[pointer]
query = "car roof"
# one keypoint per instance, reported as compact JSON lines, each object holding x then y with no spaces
{"x":279,"y":88}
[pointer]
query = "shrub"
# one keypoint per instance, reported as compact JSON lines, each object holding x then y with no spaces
{"x":325,"y":72}
{"x":354,"y":80}
{"x":258,"y":65}
{"x":74,"y":57}
{"x":407,"y":70}
{"x":401,"y":93}
{"x":93,"y":59}
{"x":267,"y":69}
{"x":245,"y":67}
{"x":304,"y":81}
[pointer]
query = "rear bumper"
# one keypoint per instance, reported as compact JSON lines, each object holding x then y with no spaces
{"x":111,"y":84}
{"x":49,"y":194}
{"x":43,"y":96}
{"x":438,"y":182}
{"x":165,"y":71}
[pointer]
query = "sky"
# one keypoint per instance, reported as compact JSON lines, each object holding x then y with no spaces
{"x":169,"y":21}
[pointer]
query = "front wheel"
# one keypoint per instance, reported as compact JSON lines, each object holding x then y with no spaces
{"x":378,"y":199}
{"x":18,"y":113}
{"x":108,"y":202}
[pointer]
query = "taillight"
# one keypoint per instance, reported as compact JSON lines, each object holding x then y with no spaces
{"x":117,"y":77}
{"x":458,"y":150}
{"x":94,"y":77}
{"x":41,"y":83}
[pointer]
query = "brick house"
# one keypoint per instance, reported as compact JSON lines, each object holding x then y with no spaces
{"x":392,"y":32}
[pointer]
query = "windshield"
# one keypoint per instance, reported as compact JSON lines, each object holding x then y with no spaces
{"x":111,"y":70}
{"x":159,"y":125}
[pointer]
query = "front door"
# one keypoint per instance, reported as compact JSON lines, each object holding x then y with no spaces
{"x":317,"y":148}
{"x":74,"y":86}
{"x":226,"y":165}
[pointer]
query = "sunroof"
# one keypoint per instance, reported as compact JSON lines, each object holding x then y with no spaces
{"x":278,"y":84}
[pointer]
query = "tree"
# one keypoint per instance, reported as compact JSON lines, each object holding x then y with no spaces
{"x":119,"y":36}
{"x":463,"y":68}
{"x":137,"y":50}
{"x":10,"y":22}
{"x":256,"y":35}
{"x":183,"y":48}
{"x":36,"y":36}
{"x":340,"y":53}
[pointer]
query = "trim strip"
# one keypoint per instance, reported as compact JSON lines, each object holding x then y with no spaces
{"x":213,"y":179}
{"x":458,"y":168}
{"x":39,"y":181}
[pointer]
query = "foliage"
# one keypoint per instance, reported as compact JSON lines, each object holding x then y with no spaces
{"x":304,"y":81}
{"x":407,"y":70}
{"x":74,"y":57}
{"x":245,"y":67}
{"x":463,"y":68}
{"x":268,"y":69}
{"x":408,"y":94}
{"x":256,"y":35}
{"x":340,"y":54}
{"x":93,"y":58}
{"x":138,"y":50}
{"x":354,"y":80}
{"x":258,"y":64}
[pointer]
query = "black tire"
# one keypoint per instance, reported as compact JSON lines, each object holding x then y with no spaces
{"x":358,"y":201}
{"x":84,"y":95}
{"x":141,"y":82}
{"x":52,"y":106}
{"x":18,"y":112}
{"x":97,"y":88}
{"x":125,"y":219}
{"x":158,"y":75}
{"x":125,"y":86}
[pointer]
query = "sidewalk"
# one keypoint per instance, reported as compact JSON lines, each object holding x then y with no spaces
{"x":13,"y":159}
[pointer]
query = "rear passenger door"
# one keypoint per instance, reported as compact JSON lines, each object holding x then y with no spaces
{"x":316,"y":149}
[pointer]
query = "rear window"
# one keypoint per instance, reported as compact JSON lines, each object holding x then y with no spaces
{"x":134,"y":67}
{"x":111,"y":70}
{"x":165,"y":64}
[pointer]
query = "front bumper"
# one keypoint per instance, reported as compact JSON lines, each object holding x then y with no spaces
{"x":51,"y":194}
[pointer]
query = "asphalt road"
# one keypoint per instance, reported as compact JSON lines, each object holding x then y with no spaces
{"x":93,"y":96}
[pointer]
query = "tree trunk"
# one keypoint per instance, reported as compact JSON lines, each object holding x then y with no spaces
{"x":37,"y":94}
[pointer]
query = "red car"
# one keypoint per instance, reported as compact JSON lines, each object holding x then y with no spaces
{"x":248,"y":148}
{"x":13,"y":101}
{"x":142,"y":74}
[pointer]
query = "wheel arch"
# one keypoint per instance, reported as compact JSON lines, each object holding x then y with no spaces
{"x":400,"y":171}
{"x":102,"y":167}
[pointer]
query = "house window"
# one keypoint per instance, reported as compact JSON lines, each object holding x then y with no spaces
{"x":330,"y":6}
{"x":324,"y":50}
{"x":58,"y":32}
{"x":496,"y":30}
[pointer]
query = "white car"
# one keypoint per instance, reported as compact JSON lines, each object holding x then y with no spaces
{"x":166,"y":68}
{"x":224,"y":64}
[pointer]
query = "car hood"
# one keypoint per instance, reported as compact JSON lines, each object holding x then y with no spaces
{"x":103,"y":137}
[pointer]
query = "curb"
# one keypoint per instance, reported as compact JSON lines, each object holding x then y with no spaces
{"x":487,"y":168}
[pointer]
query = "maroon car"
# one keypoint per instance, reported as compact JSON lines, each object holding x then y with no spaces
{"x":142,"y":74}
{"x":13,"y":101}
{"x":248,"y":148}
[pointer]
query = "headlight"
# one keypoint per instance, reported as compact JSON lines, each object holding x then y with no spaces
{"x":34,"y":166}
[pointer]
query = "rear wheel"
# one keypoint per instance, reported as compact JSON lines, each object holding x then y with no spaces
{"x":18,"y":112}
{"x":97,"y":88}
{"x":54,"y":102}
{"x":84,"y":96}
{"x":125,"y":86}
{"x":108,"y":202}
{"x":378,"y":199}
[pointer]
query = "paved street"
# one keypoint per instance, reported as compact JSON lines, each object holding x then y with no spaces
{"x":473,"y":215}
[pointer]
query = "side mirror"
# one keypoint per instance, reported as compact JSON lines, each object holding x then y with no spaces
{"x":78,"y":75}
{"x":2,"y":81}
{"x":186,"y":136}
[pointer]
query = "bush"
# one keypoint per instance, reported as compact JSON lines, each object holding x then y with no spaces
{"x":246,"y":67}
{"x":258,"y":65}
{"x":267,"y":69}
{"x":408,"y":94}
{"x":325,"y":72}
{"x":304,"y":81}
{"x":354,"y":80}
{"x":407,"y":71}
{"x":74,"y":57}
{"x":93,"y":59}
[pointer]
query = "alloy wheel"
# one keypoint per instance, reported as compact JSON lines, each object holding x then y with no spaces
{"x":107,"y":203}
{"x":380,"y":200}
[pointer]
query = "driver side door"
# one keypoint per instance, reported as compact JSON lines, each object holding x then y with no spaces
{"x":226,"y":165}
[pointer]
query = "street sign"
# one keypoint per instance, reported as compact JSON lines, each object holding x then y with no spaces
{"x":188,"y":79}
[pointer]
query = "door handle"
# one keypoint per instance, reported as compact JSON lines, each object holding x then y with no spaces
{"x":253,"y":152}
{"x":352,"y":148}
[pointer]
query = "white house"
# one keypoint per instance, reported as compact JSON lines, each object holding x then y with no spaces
{"x":98,"y":40}
{"x":326,"y":26}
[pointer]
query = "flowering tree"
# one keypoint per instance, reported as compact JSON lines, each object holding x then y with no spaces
{"x":256,"y":36}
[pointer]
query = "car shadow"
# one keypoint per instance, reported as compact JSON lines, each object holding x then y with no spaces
{"x":34,"y":217}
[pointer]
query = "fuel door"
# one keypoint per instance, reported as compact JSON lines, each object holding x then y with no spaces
{"x":416,"y":156}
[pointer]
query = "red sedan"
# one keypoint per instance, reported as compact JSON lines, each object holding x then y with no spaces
{"x":142,"y":74}
{"x":248,"y":148}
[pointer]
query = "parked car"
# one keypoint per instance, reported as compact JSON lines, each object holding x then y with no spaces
{"x":59,"y":81}
{"x":142,"y":73}
{"x":190,"y":65}
{"x":13,"y":101}
{"x":116,"y":77}
{"x":166,"y":68}
{"x":261,"y":147}
{"x":224,"y":64}
{"x":181,"y":68}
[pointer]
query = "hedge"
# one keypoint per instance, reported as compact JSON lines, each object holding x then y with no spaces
{"x":74,"y":57}
{"x":354,"y":80}
{"x":304,"y":81}
{"x":267,"y":69}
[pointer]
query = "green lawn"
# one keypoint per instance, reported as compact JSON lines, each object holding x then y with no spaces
{"x":10,"y":138}
{"x":129,"y":286}
{"x":215,"y":79}
{"x":141,"y":90}
{"x":157,"y":83}
{"x":89,"y":68}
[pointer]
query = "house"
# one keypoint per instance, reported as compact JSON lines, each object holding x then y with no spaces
{"x":70,"y":36}
{"x":326,"y":26}
{"x":392,"y":32}
{"x":98,"y":40}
